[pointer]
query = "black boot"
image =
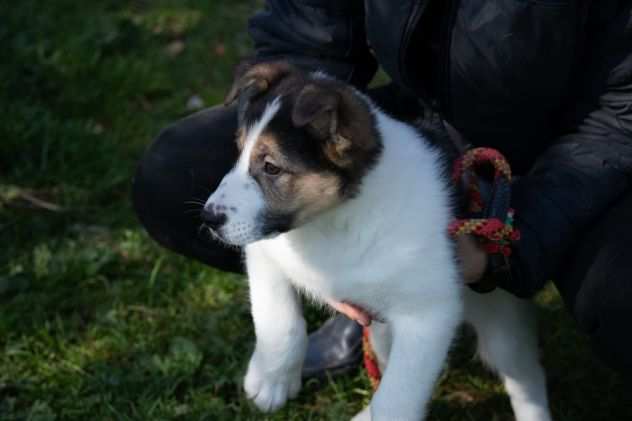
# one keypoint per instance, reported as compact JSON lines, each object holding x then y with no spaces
{"x":335,"y":348}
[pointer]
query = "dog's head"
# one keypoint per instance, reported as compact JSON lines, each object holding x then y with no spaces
{"x":305,"y":143}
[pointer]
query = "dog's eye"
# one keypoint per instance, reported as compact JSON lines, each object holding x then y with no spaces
{"x":271,"y":169}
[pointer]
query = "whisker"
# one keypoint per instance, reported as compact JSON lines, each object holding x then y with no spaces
{"x":212,"y":235}
{"x":194,"y":202}
{"x":201,"y":229}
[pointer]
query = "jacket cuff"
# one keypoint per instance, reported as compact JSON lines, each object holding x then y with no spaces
{"x":544,"y":232}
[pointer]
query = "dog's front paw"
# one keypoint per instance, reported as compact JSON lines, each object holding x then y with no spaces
{"x":271,"y":389}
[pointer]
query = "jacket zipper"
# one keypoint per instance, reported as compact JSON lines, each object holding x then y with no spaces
{"x":443,"y":96}
{"x":413,"y":20}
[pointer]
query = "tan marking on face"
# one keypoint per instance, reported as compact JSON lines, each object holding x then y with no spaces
{"x":315,"y":193}
{"x":267,"y":144}
{"x":301,"y":192}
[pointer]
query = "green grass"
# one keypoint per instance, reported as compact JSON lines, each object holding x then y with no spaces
{"x":97,"y":322}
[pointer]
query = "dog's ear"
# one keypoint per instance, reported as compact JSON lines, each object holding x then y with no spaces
{"x":256,"y":78}
{"x":253,"y":82}
{"x":318,"y":109}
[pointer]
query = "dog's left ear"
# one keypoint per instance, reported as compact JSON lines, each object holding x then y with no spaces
{"x":253,"y":82}
{"x":319,"y":110}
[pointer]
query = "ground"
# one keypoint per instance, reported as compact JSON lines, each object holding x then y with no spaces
{"x":96,"y":321}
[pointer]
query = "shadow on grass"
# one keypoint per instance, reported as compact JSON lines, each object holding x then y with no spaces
{"x":580,"y":387}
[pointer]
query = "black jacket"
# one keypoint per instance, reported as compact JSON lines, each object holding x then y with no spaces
{"x":547,"y":82}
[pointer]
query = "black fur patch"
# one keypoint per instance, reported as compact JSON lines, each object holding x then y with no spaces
{"x":273,"y":224}
{"x":356,"y":120}
{"x":323,"y":138}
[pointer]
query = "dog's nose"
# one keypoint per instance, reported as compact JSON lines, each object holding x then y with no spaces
{"x":213,"y":219}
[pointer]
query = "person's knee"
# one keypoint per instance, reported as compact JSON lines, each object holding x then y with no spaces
{"x":153,"y":163}
{"x":597,"y":286}
{"x":607,"y":315}
{"x":603,"y":306}
{"x":148,"y":204}
{"x":180,"y":166}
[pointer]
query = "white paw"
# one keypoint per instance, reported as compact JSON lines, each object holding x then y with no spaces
{"x":271,"y":389}
{"x":364,"y":415}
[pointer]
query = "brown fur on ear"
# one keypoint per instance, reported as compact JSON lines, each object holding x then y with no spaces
{"x":319,"y":109}
{"x":257,"y":80}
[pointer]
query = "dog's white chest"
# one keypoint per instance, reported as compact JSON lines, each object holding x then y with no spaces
{"x":312,"y":268}
{"x":342,"y":268}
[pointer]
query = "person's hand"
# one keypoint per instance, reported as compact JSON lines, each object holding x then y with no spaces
{"x":472,"y":258}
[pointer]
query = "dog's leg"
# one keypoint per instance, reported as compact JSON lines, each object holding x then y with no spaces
{"x":508,"y":343}
{"x":381,"y":340}
{"x":420,"y":341}
{"x":274,"y":372}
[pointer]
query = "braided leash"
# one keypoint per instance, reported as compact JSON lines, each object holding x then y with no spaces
{"x":370,"y":360}
{"x":492,"y":223}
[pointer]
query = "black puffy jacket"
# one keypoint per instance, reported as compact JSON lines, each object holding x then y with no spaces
{"x":548,"y":82}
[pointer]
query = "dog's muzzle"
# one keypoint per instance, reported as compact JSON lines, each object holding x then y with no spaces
{"x":213,"y":219}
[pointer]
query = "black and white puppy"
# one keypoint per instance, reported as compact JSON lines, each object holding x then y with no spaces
{"x":332,"y":197}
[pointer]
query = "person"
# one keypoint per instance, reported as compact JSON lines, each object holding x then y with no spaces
{"x":548,"y":83}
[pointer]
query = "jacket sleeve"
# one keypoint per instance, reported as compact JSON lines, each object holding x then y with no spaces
{"x":326,"y":35}
{"x":589,"y":167}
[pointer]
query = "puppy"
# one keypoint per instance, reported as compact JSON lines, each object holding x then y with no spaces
{"x":333,"y":198}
